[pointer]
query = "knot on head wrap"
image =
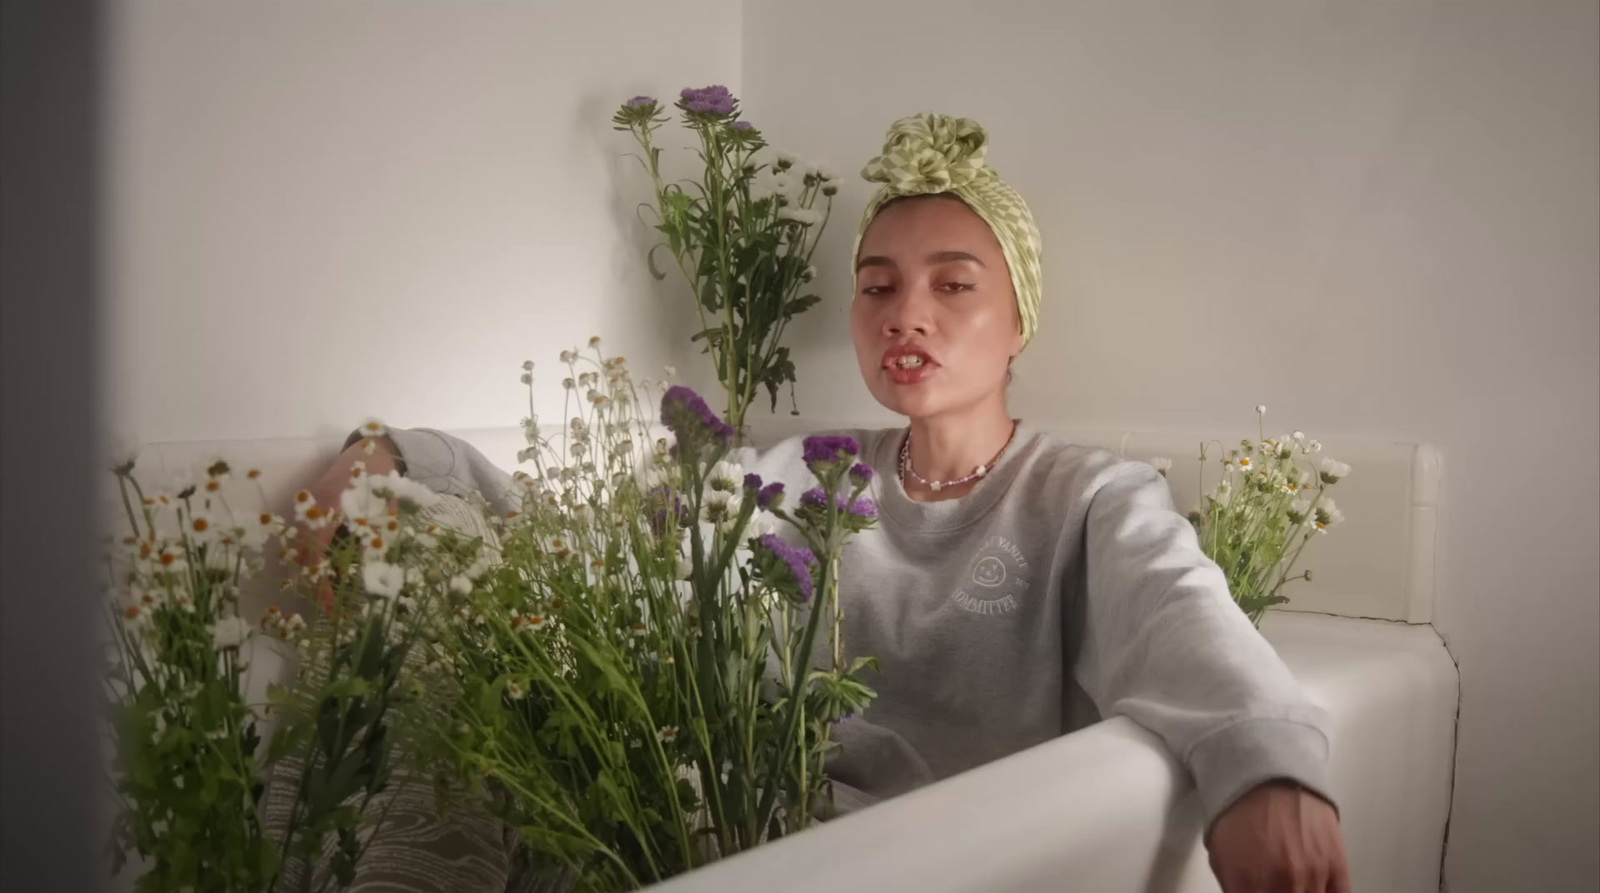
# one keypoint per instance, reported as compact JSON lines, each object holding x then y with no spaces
{"x":929,"y":154}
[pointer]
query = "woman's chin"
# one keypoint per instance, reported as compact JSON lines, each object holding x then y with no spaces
{"x":913,"y":401}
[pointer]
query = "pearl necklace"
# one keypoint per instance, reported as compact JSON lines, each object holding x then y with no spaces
{"x":936,"y":486}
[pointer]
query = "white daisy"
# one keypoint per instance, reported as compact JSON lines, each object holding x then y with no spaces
{"x":382,"y":579}
{"x":460,"y":584}
{"x":303,"y":502}
{"x":668,"y":734}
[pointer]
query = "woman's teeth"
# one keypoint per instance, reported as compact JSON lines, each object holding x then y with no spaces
{"x":909,"y":362}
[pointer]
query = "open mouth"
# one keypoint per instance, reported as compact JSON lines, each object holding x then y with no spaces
{"x":906,"y":358}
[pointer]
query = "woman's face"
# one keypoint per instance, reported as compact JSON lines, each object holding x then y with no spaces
{"x":935,"y":316}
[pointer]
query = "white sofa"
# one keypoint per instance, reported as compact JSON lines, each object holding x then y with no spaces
{"x":1107,"y":808}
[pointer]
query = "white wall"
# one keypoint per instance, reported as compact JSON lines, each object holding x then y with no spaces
{"x":323,"y":211}
{"x":1377,"y":218}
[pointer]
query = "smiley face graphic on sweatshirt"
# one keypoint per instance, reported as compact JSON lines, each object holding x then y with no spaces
{"x":996,"y":578}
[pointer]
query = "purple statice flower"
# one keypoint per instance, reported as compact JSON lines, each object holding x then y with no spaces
{"x":863,"y":508}
{"x":752,"y":482}
{"x":815,"y":498}
{"x":742,"y":125}
{"x":714,"y":100}
{"x":686,"y":414}
{"x":771,"y":496}
{"x":830,"y":448}
{"x":639,"y":102}
{"x":861,"y":474}
{"x":798,"y":559}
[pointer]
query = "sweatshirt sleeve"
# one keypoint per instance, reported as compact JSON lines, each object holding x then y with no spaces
{"x":1165,"y":645}
{"x":448,"y":465}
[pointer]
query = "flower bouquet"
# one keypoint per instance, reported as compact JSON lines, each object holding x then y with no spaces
{"x":742,"y":236}
{"x":637,"y":676}
{"x":195,"y":765}
{"x":1269,"y":504}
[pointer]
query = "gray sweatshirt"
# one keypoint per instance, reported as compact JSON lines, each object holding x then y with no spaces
{"x":1064,"y":588}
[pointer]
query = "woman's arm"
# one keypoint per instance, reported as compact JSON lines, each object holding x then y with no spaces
{"x":1165,"y":644}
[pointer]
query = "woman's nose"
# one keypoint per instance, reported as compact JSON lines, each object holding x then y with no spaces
{"x":910,"y":313}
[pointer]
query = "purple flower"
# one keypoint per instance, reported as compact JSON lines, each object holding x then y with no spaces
{"x":861,"y":474}
{"x":687,"y":416}
{"x":742,"y":125}
{"x":713,"y":100}
{"x":771,"y":496}
{"x":830,"y":448}
{"x":752,"y":482}
{"x":639,"y":102}
{"x":815,"y":498}
{"x":796,"y":560}
{"x":863,"y":508}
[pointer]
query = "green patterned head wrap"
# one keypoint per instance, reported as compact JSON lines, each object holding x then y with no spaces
{"x":930,"y":154}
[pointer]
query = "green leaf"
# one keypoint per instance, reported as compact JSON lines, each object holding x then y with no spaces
{"x":650,"y":261}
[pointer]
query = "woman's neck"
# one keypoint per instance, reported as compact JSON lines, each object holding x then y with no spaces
{"x":949,"y":447}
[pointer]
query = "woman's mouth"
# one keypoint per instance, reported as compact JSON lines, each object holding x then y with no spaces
{"x":908,"y":366}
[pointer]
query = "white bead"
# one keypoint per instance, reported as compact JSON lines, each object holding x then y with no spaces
{"x":936,"y":486}
{"x":981,"y":470}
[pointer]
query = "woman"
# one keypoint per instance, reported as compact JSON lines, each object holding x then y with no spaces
{"x":1011,"y":573}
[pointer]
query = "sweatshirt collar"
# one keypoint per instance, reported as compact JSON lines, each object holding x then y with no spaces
{"x":897,"y":507}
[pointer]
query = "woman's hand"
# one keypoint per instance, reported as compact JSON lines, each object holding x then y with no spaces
{"x":1279,"y":838}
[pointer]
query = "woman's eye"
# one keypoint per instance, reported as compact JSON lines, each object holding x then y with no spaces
{"x":958,"y":286}
{"x":875,"y":290}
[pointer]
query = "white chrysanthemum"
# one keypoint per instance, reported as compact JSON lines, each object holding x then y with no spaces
{"x":1332,"y":471}
{"x":720,"y":507}
{"x":802,"y":216}
{"x":726,"y":476}
{"x":761,"y":524}
{"x":460,"y":584}
{"x":1161,"y":464}
{"x":668,"y":734}
{"x":1328,"y":515}
{"x":382,"y":579}
{"x":229,"y":632}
